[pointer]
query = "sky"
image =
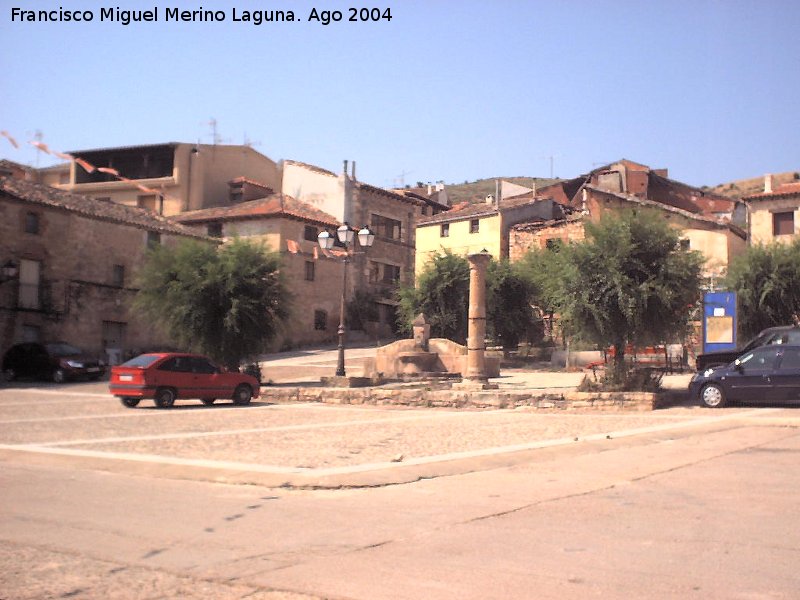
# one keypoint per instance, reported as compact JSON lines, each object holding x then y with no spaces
{"x":446,"y":90}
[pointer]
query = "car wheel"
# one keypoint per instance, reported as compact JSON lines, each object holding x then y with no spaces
{"x":129,"y":402}
{"x":242,"y":395}
{"x":59,"y":376}
{"x":165,"y":397}
{"x":208,"y":401}
{"x":712,"y":396}
{"x":9,"y":374}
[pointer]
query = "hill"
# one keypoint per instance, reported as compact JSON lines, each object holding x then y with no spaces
{"x":477,"y":191}
{"x":754,"y":185}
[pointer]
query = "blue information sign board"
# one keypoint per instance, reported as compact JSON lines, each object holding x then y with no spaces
{"x":719,"y":321}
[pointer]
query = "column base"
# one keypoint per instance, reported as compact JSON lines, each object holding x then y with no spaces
{"x":475,"y":385}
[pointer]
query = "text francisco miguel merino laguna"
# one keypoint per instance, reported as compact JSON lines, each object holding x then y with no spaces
{"x":125,"y":17}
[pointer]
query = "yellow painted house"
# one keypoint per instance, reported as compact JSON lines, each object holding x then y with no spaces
{"x":476,"y":227}
{"x":774,"y":213}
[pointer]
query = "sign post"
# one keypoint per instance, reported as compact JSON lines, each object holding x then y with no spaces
{"x":720,"y":320}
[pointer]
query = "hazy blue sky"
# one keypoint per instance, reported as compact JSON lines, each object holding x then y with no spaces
{"x":446,"y":90}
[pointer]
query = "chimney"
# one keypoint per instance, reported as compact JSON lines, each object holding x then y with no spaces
{"x":768,"y":183}
{"x":344,"y":171}
{"x":354,"y":170}
{"x":430,"y":188}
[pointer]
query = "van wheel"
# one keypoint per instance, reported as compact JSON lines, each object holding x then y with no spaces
{"x":165,"y":397}
{"x":9,"y":374}
{"x":59,"y":376}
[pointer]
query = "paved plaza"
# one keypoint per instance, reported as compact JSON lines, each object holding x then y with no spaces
{"x":305,"y":444}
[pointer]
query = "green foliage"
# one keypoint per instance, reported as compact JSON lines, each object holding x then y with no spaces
{"x":629,"y":282}
{"x":361,"y":310}
{"x":509,"y":314}
{"x":442,"y":295}
{"x":228,"y":302}
{"x":767,"y":282}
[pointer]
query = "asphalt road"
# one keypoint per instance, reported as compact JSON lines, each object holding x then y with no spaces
{"x":100,"y":501}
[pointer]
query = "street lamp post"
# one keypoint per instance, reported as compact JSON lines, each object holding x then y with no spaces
{"x":346,"y":235}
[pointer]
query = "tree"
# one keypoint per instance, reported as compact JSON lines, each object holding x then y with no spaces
{"x":509,"y":310}
{"x":629,"y":282}
{"x":442,"y":294}
{"x":767,"y":283}
{"x":228,"y":302}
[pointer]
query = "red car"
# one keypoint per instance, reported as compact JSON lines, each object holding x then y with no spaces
{"x":165,"y":377}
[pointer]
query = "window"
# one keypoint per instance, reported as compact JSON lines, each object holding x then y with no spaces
{"x":153,"y":239}
{"x":474,"y":225}
{"x":783,"y":223}
{"x":444,"y":231}
{"x":383,"y":273}
{"x":214,"y":230}
{"x":30,"y":284}
{"x":310,"y":233}
{"x":386,"y":227}
{"x":320,"y":320}
{"x":118,"y":275}
{"x":760,"y":358}
{"x":177,"y":364}
{"x":202,"y":366}
{"x":791,"y":360}
{"x":685,"y":244}
{"x":310,"y":270}
{"x":32,"y":223}
{"x":149,"y":202}
{"x":554,"y":244}
{"x":391,"y":274}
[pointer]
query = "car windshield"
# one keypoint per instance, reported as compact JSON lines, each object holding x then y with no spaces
{"x":142,"y":361}
{"x":62,"y":349}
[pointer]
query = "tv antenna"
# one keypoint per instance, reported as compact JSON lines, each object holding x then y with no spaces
{"x":401,"y":178}
{"x":552,"y":158}
{"x":216,"y":138}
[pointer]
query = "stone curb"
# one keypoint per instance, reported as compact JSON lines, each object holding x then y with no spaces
{"x":431,"y":397}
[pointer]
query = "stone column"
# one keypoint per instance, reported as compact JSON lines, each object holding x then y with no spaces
{"x":476,"y":333}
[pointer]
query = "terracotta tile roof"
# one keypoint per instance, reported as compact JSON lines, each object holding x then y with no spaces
{"x":309,"y":167}
{"x":274,"y":205}
{"x":411,"y":199}
{"x":243,"y":179}
{"x":103,"y":210}
{"x":693,"y":215}
{"x":465,"y":210}
{"x":782,"y":191}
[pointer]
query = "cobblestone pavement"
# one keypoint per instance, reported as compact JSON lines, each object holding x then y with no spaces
{"x":303,"y":445}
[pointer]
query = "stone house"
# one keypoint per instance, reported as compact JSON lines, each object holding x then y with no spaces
{"x":168,"y":178}
{"x":392,"y":216}
{"x":774,"y":213}
{"x":711,"y":224}
{"x":76,"y":258}
{"x":289,"y":227}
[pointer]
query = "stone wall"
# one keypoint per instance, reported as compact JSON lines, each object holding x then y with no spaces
{"x":79,"y":294}
{"x":440,"y":396}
